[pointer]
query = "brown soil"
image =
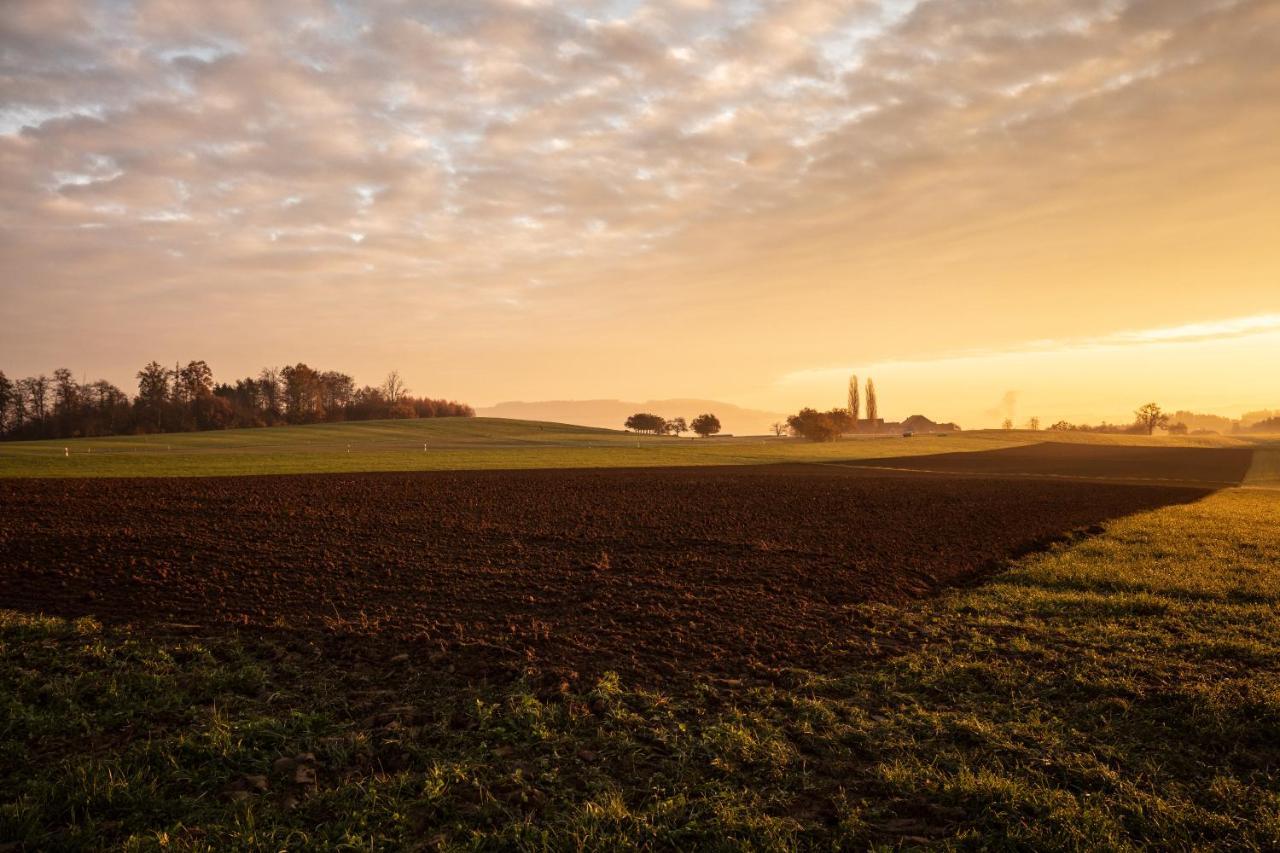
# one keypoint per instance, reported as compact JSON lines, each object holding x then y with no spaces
{"x":1210,"y":466}
{"x":648,"y":573}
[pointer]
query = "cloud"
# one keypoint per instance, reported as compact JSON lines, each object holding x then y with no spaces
{"x":547,"y":156}
{"x":1174,"y":336}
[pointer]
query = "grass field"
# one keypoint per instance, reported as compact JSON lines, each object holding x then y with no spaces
{"x":1116,"y":692}
{"x":475,"y":443}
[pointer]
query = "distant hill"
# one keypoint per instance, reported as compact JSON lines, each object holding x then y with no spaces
{"x":612,"y":413}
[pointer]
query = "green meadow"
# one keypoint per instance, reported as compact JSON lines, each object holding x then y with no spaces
{"x":436,"y":444}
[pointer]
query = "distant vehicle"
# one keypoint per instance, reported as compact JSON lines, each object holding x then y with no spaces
{"x":908,"y":433}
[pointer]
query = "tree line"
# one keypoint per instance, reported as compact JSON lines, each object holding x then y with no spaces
{"x":186,"y":398}
{"x":1147,"y":418}
{"x":704,"y":425}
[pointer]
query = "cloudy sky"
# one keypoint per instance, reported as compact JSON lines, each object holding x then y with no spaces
{"x":1072,"y":201}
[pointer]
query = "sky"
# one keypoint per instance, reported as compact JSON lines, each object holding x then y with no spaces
{"x":1060,"y":208}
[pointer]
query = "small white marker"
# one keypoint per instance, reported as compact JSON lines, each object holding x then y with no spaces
{"x":424,"y":447}
{"x":66,"y":451}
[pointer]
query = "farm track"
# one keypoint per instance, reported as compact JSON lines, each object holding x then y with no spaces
{"x":652,"y":573}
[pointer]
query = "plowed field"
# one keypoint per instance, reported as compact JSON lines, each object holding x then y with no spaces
{"x":1210,"y":466}
{"x":652,"y":572}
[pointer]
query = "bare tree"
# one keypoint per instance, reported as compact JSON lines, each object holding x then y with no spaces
{"x":678,"y":426}
{"x":873,"y":409}
{"x":780,"y":428}
{"x":1008,"y":424}
{"x":38,"y":388}
{"x":1033,"y":424}
{"x":66,"y":393}
{"x":854,"y":402}
{"x":393,"y":387}
{"x":269,"y":383}
{"x":1151,"y":416}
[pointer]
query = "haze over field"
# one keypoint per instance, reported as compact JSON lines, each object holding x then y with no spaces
{"x":611,"y":414}
{"x":1061,"y":209}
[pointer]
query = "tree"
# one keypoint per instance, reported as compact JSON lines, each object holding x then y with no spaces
{"x":873,"y":408}
{"x":38,"y":389}
{"x":706,"y":425}
{"x":301,"y":393}
{"x":1062,"y":426}
{"x":646,"y":422}
{"x":66,"y":392}
{"x":1149,"y":417}
{"x":212,"y":412}
{"x":6,"y":399}
{"x":112,"y":414}
{"x":854,"y":402}
{"x":393,"y":388}
{"x":819,"y":426}
{"x":1008,"y":424}
{"x":1180,"y":428}
{"x":193,"y":381}
{"x":336,"y":392}
{"x":1033,"y":424}
{"x":780,"y":428}
{"x":269,"y":387}
{"x":678,"y":426}
{"x":153,"y":393}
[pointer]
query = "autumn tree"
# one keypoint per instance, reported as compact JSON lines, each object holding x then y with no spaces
{"x":705,"y":425}
{"x":6,"y":400}
{"x":873,"y":408}
{"x":854,"y":401}
{"x":193,"y":381}
{"x":1149,"y":417}
{"x":301,"y":393}
{"x":336,"y":392}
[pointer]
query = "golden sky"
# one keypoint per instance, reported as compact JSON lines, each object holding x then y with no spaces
{"x":1064,"y":208}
